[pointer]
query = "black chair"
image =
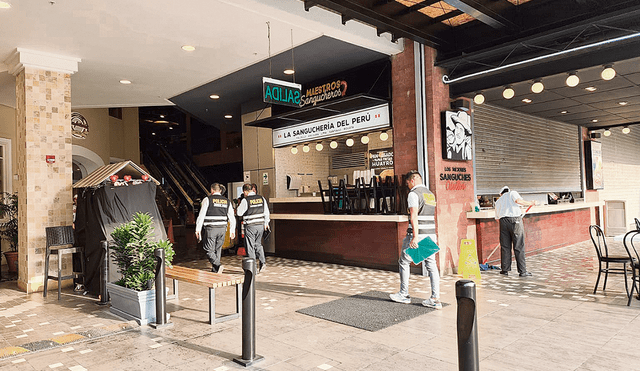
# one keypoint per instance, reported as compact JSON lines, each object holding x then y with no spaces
{"x":635,"y":262}
{"x":60,"y":241}
{"x":637,"y":224}
{"x":600,"y":243}
{"x":326,"y":204}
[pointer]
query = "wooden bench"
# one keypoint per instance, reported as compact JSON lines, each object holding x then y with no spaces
{"x":212,"y":281}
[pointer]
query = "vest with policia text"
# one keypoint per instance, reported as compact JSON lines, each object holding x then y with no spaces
{"x":217,"y":211}
{"x":255,"y":210}
{"x":426,"y":211}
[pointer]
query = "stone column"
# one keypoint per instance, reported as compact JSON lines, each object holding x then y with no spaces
{"x":43,"y":111}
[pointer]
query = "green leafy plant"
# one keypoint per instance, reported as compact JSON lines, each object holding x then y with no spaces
{"x":9,"y":213}
{"x":133,"y":252}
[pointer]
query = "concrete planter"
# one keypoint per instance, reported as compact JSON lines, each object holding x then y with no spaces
{"x":132,"y":305}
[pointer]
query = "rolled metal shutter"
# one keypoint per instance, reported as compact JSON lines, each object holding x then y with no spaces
{"x":527,"y":153}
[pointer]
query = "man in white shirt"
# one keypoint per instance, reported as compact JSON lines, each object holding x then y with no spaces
{"x":255,"y":210}
{"x":215,"y":212}
{"x":509,"y":214}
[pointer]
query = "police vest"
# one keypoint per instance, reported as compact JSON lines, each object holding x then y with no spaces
{"x":217,"y":211}
{"x":426,"y":210}
{"x":255,"y":210}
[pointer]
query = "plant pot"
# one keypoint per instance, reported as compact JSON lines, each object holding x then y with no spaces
{"x":12,"y":261}
{"x":132,"y":305}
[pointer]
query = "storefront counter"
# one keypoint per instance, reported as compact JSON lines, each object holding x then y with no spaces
{"x":547,"y":227}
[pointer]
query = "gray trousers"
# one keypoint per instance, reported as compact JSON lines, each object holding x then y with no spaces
{"x":213,"y":241}
{"x":253,"y":241}
{"x":512,"y":235}
{"x":405,"y":269}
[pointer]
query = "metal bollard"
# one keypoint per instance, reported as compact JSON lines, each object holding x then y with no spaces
{"x":249,"y":355}
{"x":161,"y":293}
{"x":467,"y":326}
{"x":104,"y":274}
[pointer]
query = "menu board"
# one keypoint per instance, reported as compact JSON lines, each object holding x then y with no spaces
{"x":381,"y":159}
{"x":593,"y":166}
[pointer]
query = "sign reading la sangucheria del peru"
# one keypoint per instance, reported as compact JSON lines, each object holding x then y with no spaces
{"x":456,"y":178}
{"x":353,"y":122}
{"x":281,"y":92}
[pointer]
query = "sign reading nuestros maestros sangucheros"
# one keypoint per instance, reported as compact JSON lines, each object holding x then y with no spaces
{"x":353,"y":122}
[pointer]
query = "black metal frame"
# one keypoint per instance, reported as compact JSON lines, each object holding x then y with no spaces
{"x":60,"y":241}
{"x":600,"y":243}
{"x":635,"y":262}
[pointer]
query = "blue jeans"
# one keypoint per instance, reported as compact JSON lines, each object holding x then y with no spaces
{"x":405,"y":266}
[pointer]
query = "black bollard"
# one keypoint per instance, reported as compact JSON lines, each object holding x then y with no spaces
{"x":467,"y":326}
{"x":161,"y":293}
{"x":104,"y":273}
{"x":249,"y":355}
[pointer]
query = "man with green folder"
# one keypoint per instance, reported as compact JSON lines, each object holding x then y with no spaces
{"x":422,"y":206}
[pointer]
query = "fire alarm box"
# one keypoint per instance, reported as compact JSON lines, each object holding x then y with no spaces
{"x":51,"y":159}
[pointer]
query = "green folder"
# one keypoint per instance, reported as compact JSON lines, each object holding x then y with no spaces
{"x":426,"y":248}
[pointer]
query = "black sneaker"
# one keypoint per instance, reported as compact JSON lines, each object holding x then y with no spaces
{"x":525,"y":274}
{"x":506,"y":273}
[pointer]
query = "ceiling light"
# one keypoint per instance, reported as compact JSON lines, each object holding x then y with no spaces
{"x":170,"y":127}
{"x":319,"y":146}
{"x":479,"y":98}
{"x":591,"y":88}
{"x":572,"y":80}
{"x":607,"y":132}
{"x":526,"y":100}
{"x":4,"y":5}
{"x":294,"y":150}
{"x":153,"y":133}
{"x":228,"y":116}
{"x":349,"y":142}
{"x":626,"y":130}
{"x":188,"y":48}
{"x":289,"y":71}
{"x":384,"y":136}
{"x":608,"y":73}
{"x":594,"y":120}
{"x":623,"y":103}
{"x":161,"y":122}
{"x":508,"y":92}
{"x":564,"y":112}
{"x":214,"y":96}
{"x":161,"y":116}
{"x":333,"y":144}
{"x":537,"y":87}
{"x":125,"y":82}
{"x":306,"y":148}
{"x":364,"y":139}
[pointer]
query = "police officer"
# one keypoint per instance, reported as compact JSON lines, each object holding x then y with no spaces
{"x":256,"y":219}
{"x":215,"y":211}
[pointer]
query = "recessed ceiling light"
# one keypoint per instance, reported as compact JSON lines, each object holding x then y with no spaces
{"x":526,"y":100}
{"x":4,"y":5}
{"x":228,"y":116}
{"x":289,"y":71}
{"x":161,"y":122}
{"x":564,"y":112}
{"x":125,"y":82}
{"x":153,"y":133}
{"x":214,"y":96}
{"x":623,"y":103}
{"x":170,"y":127}
{"x":594,"y":120}
{"x":591,"y":88}
{"x":161,"y":116}
{"x":188,"y":48}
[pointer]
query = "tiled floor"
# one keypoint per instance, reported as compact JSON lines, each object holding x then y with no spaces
{"x":550,"y":321}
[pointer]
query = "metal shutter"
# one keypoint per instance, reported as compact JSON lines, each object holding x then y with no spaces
{"x":527,"y":153}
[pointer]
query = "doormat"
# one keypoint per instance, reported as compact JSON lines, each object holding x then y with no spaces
{"x":371,"y":310}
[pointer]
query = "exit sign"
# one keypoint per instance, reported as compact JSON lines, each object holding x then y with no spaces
{"x":281,"y":92}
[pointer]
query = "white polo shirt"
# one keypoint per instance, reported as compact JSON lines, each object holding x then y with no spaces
{"x":506,"y":205}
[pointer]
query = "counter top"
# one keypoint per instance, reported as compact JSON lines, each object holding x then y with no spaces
{"x":342,"y":217}
{"x":295,"y":199}
{"x":490,"y":214}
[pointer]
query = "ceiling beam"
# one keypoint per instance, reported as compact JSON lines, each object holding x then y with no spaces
{"x":416,"y":7}
{"x":485,"y":11}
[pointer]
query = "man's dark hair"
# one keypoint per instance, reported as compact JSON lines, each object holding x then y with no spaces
{"x":413,"y":174}
{"x":246,"y":187}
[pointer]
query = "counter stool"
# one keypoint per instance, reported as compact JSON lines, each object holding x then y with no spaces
{"x":60,"y":241}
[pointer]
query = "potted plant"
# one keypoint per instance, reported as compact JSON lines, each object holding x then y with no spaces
{"x":132,"y":296}
{"x":9,"y":227}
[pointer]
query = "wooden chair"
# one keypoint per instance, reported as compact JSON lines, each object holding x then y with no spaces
{"x":599,"y":242}
{"x":60,"y":241}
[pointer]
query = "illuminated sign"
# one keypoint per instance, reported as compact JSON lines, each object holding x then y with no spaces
{"x":324,"y":92}
{"x":281,"y":92}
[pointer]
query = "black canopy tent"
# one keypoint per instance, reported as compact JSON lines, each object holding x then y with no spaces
{"x":102,"y":206}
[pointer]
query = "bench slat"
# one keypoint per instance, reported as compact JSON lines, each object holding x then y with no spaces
{"x":203,"y":278}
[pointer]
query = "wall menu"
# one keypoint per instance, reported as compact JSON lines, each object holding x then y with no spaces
{"x":381,"y":158}
{"x":353,"y":122}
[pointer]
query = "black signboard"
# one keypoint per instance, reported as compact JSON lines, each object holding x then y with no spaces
{"x":381,"y":158}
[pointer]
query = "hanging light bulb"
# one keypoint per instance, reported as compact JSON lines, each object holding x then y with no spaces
{"x":333,"y":144}
{"x":508,"y":92}
{"x":608,"y":72}
{"x":626,"y":130}
{"x":306,"y":148}
{"x":572,"y":80}
{"x":384,"y":136}
{"x":479,"y":98}
{"x":607,"y":132}
{"x":319,"y":146}
{"x":349,"y":142}
{"x":294,"y":150}
{"x":537,"y":87}
{"x":364,"y":139}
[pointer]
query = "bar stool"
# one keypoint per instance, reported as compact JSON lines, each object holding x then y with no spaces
{"x":60,"y":241}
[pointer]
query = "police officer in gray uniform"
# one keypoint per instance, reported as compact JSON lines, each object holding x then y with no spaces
{"x":215,"y":211}
{"x":256,"y":219}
